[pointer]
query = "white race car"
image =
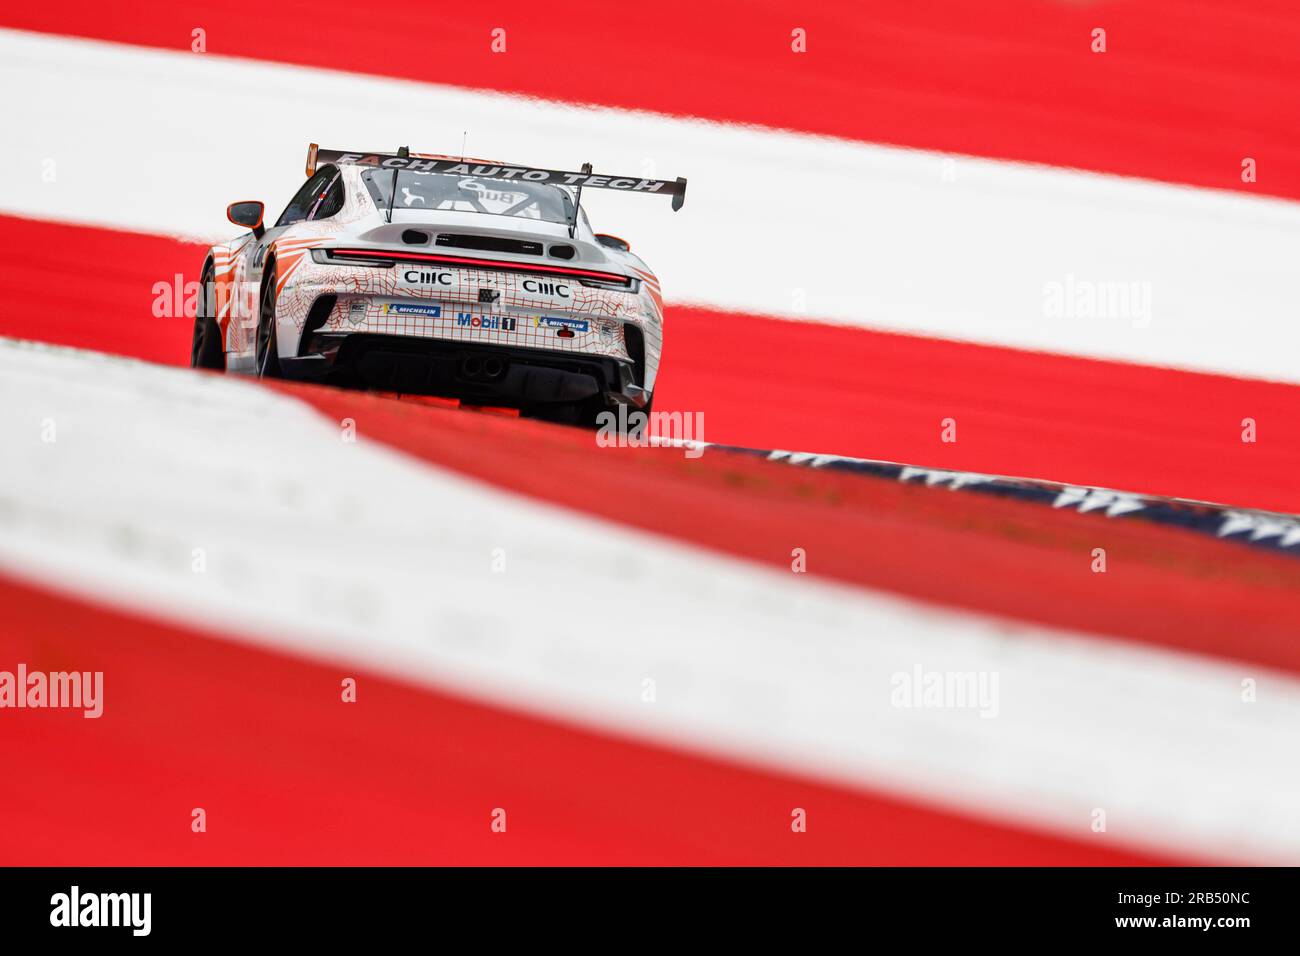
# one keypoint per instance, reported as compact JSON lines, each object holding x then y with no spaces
{"x":434,"y":275}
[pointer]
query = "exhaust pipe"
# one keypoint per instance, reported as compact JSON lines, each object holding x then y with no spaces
{"x":489,"y":369}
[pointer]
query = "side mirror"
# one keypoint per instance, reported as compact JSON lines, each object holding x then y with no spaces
{"x":614,"y":242}
{"x":247,"y":214}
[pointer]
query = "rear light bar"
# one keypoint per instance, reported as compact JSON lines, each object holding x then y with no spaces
{"x":498,"y":265}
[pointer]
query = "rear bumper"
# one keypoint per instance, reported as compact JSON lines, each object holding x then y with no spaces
{"x":482,"y":373}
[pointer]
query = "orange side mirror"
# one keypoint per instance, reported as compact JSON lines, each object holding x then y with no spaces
{"x":248,"y":213}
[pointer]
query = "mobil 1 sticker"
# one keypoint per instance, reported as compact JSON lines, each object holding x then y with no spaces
{"x":424,"y":277}
{"x":496,"y":323}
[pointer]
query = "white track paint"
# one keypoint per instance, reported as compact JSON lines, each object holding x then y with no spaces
{"x":775,"y":222}
{"x":351,"y":552}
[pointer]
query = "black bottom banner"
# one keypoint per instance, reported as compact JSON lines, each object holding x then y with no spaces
{"x":372,"y":905}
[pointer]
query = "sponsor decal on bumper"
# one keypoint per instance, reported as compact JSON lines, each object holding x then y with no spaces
{"x":554,"y":322}
{"x":501,"y":323}
{"x":405,"y":308}
{"x":415,"y":278}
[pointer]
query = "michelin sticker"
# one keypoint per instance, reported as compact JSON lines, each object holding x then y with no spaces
{"x":555,"y":322}
{"x":406,"y":308}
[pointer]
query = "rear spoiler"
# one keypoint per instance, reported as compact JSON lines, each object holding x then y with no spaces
{"x":403,"y":159}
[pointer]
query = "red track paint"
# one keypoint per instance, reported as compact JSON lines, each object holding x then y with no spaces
{"x":1164,"y":586}
{"x":484,"y":409}
{"x":434,"y":400}
{"x":289,"y":774}
{"x":1131,"y":427}
{"x":51,"y":298}
{"x":1183,"y":93}
{"x":1028,"y":414}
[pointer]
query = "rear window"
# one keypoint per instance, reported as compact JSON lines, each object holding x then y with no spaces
{"x":493,"y":197}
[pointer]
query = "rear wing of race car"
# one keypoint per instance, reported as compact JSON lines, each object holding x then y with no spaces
{"x":404,"y":159}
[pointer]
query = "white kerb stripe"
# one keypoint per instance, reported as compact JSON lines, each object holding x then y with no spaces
{"x":775,"y":222}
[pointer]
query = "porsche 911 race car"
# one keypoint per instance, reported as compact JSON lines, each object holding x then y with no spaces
{"x":433,"y":275}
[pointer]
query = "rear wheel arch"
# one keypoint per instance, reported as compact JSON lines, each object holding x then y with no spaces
{"x":207,"y":346}
{"x":268,"y":270}
{"x":266,"y":348}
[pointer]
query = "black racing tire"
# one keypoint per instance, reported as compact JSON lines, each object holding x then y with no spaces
{"x":590,"y":414}
{"x":581,"y":414}
{"x":266,"y":353}
{"x":205,"y":346}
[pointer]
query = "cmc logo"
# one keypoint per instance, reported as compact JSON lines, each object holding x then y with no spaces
{"x":546,"y":288}
{"x":423,"y":277}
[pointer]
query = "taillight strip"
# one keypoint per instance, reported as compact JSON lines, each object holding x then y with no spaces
{"x":474,"y":263}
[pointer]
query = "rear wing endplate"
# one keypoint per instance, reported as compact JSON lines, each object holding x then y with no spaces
{"x":456,"y":167}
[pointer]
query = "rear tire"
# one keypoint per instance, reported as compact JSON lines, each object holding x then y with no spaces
{"x":589,"y":414}
{"x":205,"y":346}
{"x":267,"y":352}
